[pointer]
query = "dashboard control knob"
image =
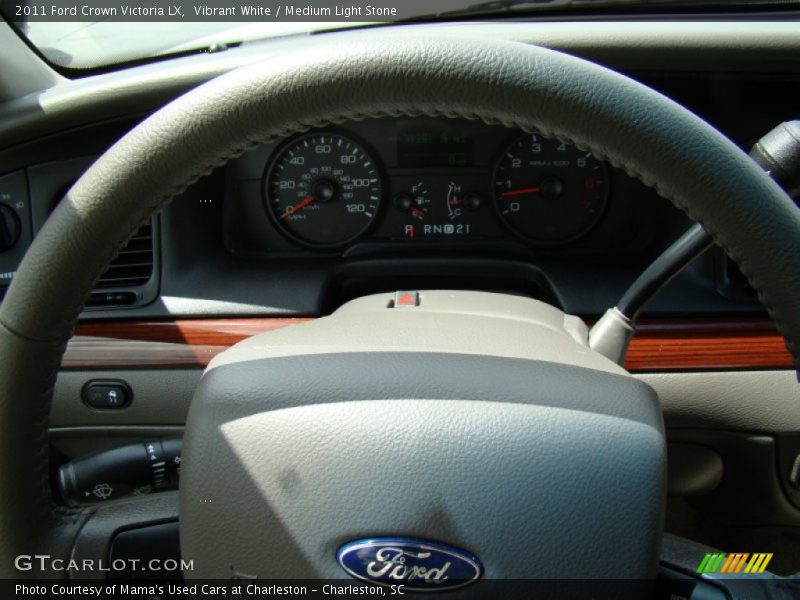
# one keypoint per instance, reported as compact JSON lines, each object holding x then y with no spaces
{"x":10,"y":228}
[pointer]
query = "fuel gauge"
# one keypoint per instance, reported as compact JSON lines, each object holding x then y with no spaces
{"x":416,"y":201}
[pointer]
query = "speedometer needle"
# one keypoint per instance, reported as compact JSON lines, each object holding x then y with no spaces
{"x":521,"y":192}
{"x":299,"y":206}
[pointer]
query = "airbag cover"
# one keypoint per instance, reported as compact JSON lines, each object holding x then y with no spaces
{"x":539,"y":469}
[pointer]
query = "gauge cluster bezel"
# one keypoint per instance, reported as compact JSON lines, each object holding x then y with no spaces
{"x":253,"y":232}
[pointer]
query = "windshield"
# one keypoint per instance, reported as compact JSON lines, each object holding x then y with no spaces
{"x":98,"y":33}
{"x":87,"y":45}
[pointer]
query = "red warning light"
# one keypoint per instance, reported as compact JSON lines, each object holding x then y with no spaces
{"x":406,"y":299}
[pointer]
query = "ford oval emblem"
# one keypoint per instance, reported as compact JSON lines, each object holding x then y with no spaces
{"x":417,"y":565}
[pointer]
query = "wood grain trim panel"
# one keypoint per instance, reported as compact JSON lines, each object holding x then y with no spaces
{"x":710,"y":344}
{"x":187,"y":343}
{"x":659,"y":345}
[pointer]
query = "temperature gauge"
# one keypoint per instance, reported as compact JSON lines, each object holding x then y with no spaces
{"x":458,"y":202}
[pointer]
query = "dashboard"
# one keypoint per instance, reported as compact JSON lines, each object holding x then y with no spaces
{"x":297,"y":226}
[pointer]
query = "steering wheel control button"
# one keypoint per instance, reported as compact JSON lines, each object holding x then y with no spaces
{"x":406,"y":299}
{"x":107,"y":395}
{"x":417,"y":565}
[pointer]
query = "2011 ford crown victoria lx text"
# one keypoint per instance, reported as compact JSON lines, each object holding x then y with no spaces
{"x":493,"y":300}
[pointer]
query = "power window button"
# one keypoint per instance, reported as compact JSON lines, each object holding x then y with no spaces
{"x":107,"y":394}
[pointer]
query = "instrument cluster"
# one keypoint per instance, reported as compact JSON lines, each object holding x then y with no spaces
{"x":427,"y":182}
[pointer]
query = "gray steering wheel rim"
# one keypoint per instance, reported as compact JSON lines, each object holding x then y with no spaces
{"x":352,"y":76}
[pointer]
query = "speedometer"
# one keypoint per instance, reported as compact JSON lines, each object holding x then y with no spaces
{"x":549,"y":192}
{"x":323,"y":190}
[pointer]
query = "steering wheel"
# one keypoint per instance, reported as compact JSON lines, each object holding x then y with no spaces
{"x":509,"y":457}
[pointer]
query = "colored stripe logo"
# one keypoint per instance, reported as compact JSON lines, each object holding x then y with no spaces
{"x":736,"y":563}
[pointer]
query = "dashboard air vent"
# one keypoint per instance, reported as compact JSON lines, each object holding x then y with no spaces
{"x":133,"y":266}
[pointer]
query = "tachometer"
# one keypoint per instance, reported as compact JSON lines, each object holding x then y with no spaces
{"x":323,"y":190}
{"x":549,"y":192}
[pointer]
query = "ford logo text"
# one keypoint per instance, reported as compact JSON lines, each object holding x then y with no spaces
{"x":417,"y":565}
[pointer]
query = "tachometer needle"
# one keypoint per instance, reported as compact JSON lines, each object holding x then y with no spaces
{"x":521,"y":192}
{"x":299,"y":206}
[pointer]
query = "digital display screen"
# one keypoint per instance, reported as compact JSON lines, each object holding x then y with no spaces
{"x":434,"y":148}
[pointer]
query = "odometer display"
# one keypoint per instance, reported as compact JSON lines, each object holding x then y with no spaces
{"x":323,"y":190}
{"x":549,"y":192}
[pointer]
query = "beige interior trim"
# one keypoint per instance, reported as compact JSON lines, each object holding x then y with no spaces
{"x":765,"y":401}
